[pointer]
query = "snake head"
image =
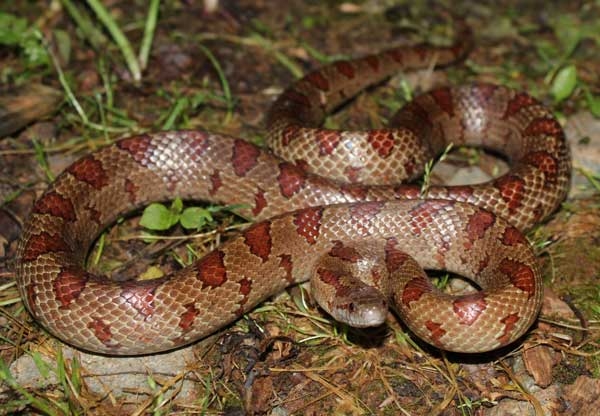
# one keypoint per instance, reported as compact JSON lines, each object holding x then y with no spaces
{"x":366,"y":307}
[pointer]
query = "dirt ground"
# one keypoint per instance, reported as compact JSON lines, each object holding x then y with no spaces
{"x":68,"y":88}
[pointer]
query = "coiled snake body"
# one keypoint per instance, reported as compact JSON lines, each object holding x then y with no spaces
{"x":312,"y":226}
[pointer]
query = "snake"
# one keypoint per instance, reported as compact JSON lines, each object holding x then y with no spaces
{"x":337,"y":207}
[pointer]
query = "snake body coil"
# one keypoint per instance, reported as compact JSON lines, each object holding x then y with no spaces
{"x":311,"y":225}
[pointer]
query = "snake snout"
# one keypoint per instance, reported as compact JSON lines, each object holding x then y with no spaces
{"x":367,"y":308}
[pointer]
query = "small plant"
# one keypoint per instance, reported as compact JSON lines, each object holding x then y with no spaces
{"x":564,"y":83}
{"x":158,"y":217}
{"x":15,"y":32}
{"x":561,"y":74}
{"x":429,"y":167}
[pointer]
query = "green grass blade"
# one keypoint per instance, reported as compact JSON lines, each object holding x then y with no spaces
{"x":121,"y":40}
{"x":83,"y":22}
{"x":222,"y":79}
{"x":149,"y":33}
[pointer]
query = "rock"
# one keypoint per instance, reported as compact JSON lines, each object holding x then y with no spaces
{"x":120,"y":377}
{"x":22,"y":105}
{"x":539,"y":361}
{"x":583,"y":396}
{"x":583,"y":133}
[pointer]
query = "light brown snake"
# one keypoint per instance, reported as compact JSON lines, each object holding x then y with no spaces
{"x":321,"y":227}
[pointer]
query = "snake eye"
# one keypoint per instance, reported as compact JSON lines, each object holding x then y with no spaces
{"x":351,"y":307}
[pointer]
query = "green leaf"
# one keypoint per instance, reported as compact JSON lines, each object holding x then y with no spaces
{"x":593,"y":103}
{"x":568,"y":31}
{"x":158,"y":217}
{"x":547,"y":51}
{"x":34,"y":50}
{"x":12,"y":29}
{"x":177,"y":206}
{"x":152,"y":272}
{"x":308,"y":22}
{"x":15,"y":32}
{"x":194,"y":218}
{"x":564,"y":83}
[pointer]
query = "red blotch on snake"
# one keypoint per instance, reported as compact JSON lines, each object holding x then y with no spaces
{"x":519,"y":101}
{"x":95,"y":214}
{"x":258,"y":240}
{"x":296,"y":97}
{"x":460,"y":192}
{"x":215,"y":181}
{"x":410,"y":167}
{"x":382,"y":141}
{"x":394,"y":258}
{"x":443,"y":98}
{"x":285,"y":262}
{"x":308,"y":223}
{"x":199,"y":143}
{"x":245,"y":289}
{"x":547,"y":126}
{"x":131,"y":189}
{"x":478,"y":224}
{"x":56,"y":205}
{"x":356,"y":191}
{"x":511,"y":189}
{"x":422,"y":50}
{"x":245,"y":286}
{"x":68,"y":285}
{"x":333,"y":279}
{"x":260,"y":202}
{"x":102,"y":332}
{"x":414,"y":118}
{"x":483,"y":92}
{"x":291,"y":179}
{"x":396,"y":55}
{"x":425,"y":214}
{"x":352,"y":173}
{"x":211,"y":269}
{"x":288,"y":134}
{"x":520,"y":275}
{"x":544,"y":162}
{"x":245,"y":157}
{"x":90,"y":171}
{"x":483,"y":263}
{"x":509,"y":324}
{"x":414,"y":289}
{"x":43,"y":243}
{"x":186,"y":319}
{"x":469,"y":307}
{"x":138,"y":147}
{"x":436,"y":331}
{"x":362,"y":215}
{"x":318,"y":80}
{"x":345,"y":68}
{"x":140,"y":295}
{"x":373,"y":62}
{"x":513,"y":237}
{"x":345,"y":253}
{"x":407,"y":192}
{"x":327,"y":140}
